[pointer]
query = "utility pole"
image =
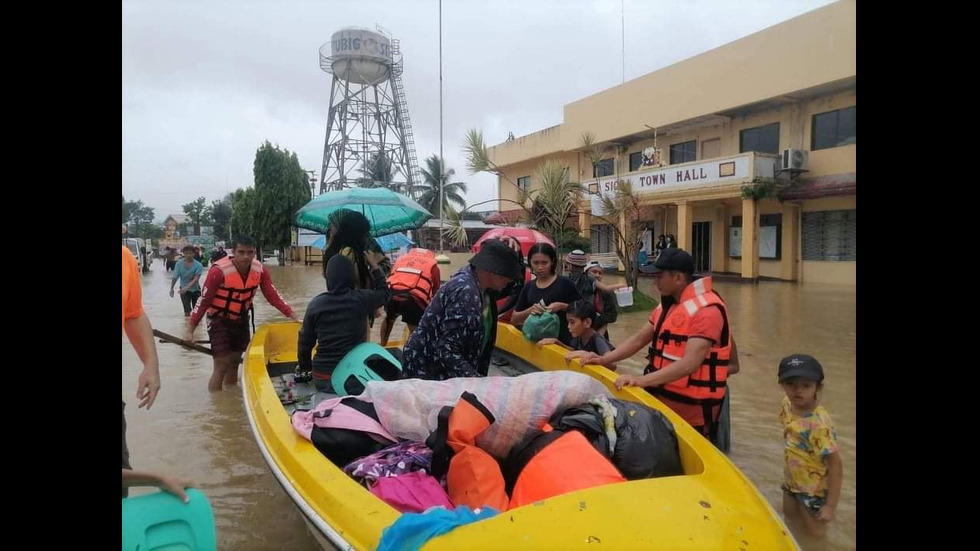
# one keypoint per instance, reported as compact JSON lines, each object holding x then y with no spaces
{"x":442,"y":162}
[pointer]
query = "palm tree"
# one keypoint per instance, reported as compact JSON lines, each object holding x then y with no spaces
{"x":377,"y":172}
{"x":428,"y":191}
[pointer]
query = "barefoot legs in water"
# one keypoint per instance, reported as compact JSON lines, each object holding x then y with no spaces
{"x":225,"y":371}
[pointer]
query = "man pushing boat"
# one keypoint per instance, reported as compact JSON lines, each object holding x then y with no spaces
{"x":227,"y":299}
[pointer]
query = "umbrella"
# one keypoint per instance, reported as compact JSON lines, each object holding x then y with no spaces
{"x":386,"y":242}
{"x":525,"y":236}
{"x":388,"y":212}
{"x":393,"y":241}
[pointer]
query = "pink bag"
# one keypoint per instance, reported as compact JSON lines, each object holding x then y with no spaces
{"x":333,"y":414}
{"x":411,"y":493}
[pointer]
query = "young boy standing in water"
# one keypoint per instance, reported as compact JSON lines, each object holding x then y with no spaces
{"x":814,"y":470}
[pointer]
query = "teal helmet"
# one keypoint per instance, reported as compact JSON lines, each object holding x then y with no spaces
{"x":367,"y":361}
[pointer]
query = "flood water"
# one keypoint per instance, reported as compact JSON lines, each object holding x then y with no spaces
{"x":206,"y":436}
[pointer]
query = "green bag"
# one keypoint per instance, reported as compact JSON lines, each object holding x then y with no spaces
{"x":541,"y":326}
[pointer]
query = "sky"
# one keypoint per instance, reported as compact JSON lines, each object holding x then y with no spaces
{"x":205,"y":83}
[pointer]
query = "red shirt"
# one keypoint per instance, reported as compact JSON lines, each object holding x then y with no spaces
{"x":216,"y":277}
{"x":707,"y":323}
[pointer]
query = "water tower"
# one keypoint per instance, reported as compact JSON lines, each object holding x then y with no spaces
{"x":368,"y":113}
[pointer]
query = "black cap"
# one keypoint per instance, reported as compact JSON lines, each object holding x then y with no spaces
{"x":671,"y":259}
{"x":498,"y":258}
{"x":800,"y":365}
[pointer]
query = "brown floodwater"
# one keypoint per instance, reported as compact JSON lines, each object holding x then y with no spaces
{"x":206,"y":436}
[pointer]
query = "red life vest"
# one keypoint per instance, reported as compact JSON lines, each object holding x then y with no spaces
{"x":706,"y":386}
{"x":233,"y":299}
{"x":414,"y":275}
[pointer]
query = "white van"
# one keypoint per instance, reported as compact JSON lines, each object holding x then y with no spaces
{"x":134,"y":247}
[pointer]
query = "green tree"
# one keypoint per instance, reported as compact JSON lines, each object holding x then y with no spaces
{"x":428,"y":191}
{"x":242,"y":213}
{"x":621,"y":211}
{"x":546,"y":208}
{"x":197,"y":212}
{"x":140,"y":218}
{"x":220,"y":212}
{"x":281,"y":188}
{"x":126,"y":208}
{"x":377,"y":172}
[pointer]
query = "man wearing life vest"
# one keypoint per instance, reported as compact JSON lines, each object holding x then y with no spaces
{"x":691,"y":349}
{"x":227,"y":299}
{"x":413,"y":281}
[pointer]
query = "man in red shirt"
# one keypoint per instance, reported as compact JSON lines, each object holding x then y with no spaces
{"x":691,"y":348}
{"x":227,"y":299}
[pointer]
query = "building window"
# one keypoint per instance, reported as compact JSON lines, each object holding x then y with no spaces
{"x":834,"y":129}
{"x":763,"y":139}
{"x":636,"y":159}
{"x":685,"y":152}
{"x":603,"y":168}
{"x":524,"y":182}
{"x":830,"y":236}
{"x":602,"y":239}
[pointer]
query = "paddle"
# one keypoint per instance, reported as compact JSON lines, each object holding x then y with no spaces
{"x":187,"y":344}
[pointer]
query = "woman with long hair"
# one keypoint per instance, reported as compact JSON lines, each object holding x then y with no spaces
{"x":349,"y":234}
{"x":555,"y":291}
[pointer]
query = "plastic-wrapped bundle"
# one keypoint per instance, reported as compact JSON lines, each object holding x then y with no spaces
{"x":521,"y":405}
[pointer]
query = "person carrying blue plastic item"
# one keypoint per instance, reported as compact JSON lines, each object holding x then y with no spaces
{"x":336,"y":320}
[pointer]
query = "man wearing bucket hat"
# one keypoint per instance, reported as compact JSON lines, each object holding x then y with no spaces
{"x":455,"y":336}
{"x":691,"y":349}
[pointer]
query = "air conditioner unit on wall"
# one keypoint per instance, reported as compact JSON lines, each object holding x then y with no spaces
{"x":794,"y":159}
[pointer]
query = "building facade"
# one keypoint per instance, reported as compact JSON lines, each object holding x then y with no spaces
{"x":775,"y":109}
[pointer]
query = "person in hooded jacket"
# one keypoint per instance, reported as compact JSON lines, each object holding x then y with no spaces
{"x":336,"y":320}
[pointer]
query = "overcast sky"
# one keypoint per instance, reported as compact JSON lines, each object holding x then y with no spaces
{"x":204,"y":83}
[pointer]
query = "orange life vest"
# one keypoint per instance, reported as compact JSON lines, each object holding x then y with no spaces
{"x":412,"y":276}
{"x":706,"y":386}
{"x":473,"y":477}
{"x":233,"y":299}
{"x":564,"y":465}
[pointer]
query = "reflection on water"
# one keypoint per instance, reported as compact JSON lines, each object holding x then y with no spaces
{"x":206,"y":437}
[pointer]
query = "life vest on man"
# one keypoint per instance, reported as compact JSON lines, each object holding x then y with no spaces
{"x":234,"y":296}
{"x":413,"y":275}
{"x":706,"y":386}
{"x":560,"y":462}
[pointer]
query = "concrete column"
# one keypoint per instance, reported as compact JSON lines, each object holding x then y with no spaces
{"x":750,"y":239}
{"x":585,"y":221}
{"x":718,"y":235}
{"x":790,"y":242}
{"x":685,"y":217}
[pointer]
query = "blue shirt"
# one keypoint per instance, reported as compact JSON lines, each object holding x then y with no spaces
{"x":187,"y":273}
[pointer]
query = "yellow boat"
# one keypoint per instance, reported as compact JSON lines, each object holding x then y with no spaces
{"x":711,"y":506}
